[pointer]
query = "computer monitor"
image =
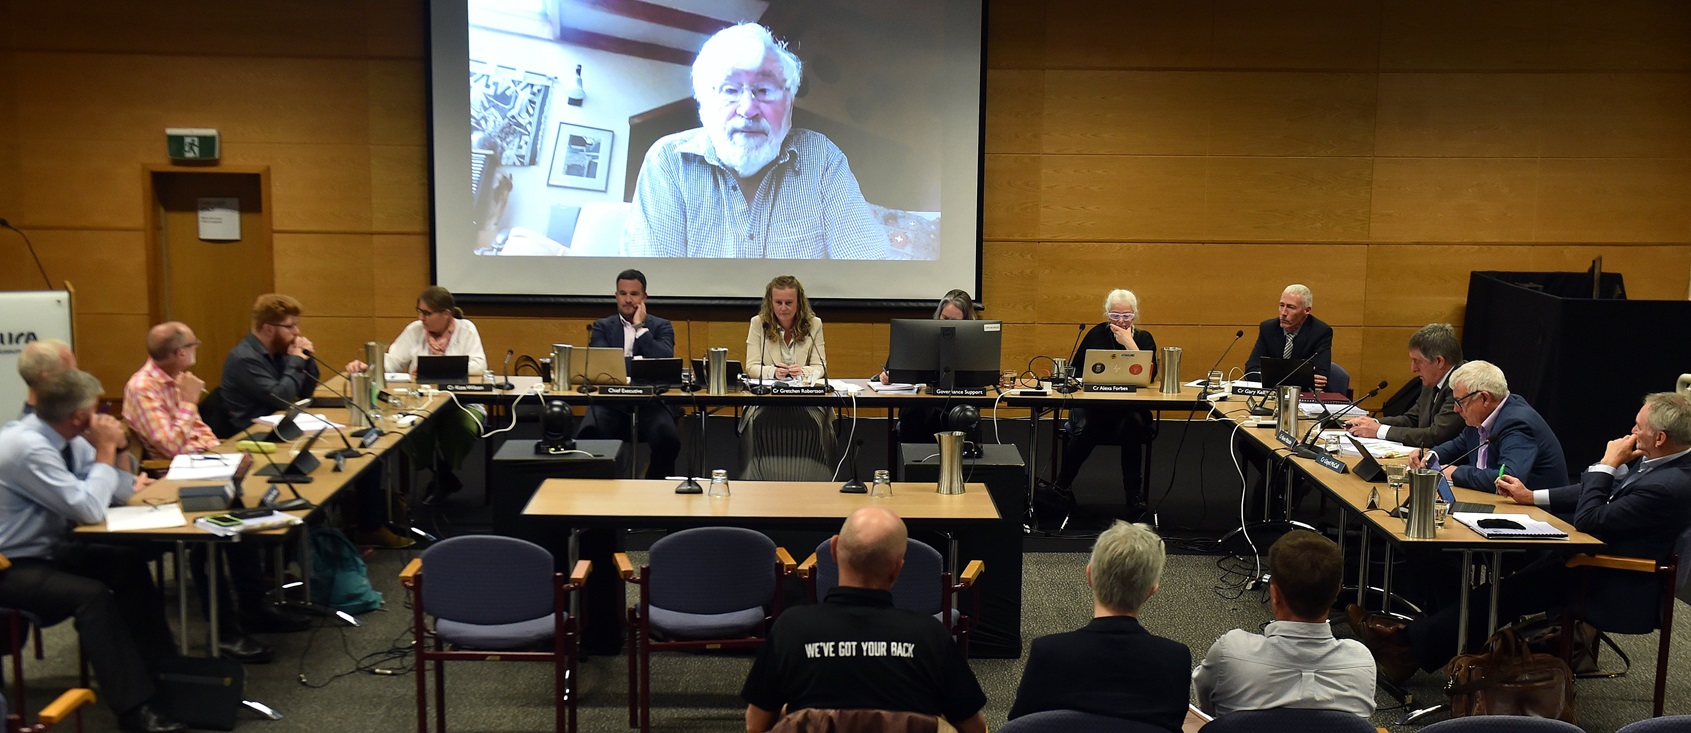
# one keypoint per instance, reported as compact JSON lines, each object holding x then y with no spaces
{"x":945,"y":354}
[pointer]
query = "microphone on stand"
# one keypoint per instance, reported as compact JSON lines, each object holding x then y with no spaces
{"x":587,"y":364}
{"x":505,"y":373}
{"x":1304,"y":448}
{"x":31,"y":247}
{"x":1261,"y":411}
{"x":1063,"y":384}
{"x":695,"y":383}
{"x":1204,"y":392}
{"x":855,"y":485}
{"x":369,"y":434}
{"x":757,"y":387}
{"x":823,"y":360}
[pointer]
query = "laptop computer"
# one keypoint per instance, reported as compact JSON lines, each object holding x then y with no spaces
{"x":1114,"y":366}
{"x":665,"y":372}
{"x":1300,"y":372}
{"x":598,"y":365}
{"x":443,"y":369}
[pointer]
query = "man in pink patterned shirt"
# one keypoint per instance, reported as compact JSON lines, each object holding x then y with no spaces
{"x":160,"y":402}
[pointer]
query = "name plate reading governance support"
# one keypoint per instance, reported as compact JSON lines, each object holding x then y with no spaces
{"x":958,"y":392}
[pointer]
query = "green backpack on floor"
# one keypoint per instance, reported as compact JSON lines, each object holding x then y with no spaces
{"x":339,"y":579}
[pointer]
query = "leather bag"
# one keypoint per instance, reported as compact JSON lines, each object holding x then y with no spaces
{"x":1508,"y":678}
{"x":1545,"y":635}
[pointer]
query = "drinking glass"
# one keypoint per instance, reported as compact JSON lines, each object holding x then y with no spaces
{"x":882,"y":488}
{"x":718,"y":484}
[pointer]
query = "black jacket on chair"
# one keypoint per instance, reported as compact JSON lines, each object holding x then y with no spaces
{"x":1111,"y":666}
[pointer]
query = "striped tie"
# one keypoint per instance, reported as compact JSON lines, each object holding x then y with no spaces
{"x":1286,"y":353}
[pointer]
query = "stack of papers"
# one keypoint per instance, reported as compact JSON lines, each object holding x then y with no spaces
{"x":256,"y":524}
{"x":1318,"y":409}
{"x":204,"y":467}
{"x":306,"y":422}
{"x":1530,"y":529}
{"x":875,"y":384}
{"x":133,"y":518}
{"x":1377,"y":447}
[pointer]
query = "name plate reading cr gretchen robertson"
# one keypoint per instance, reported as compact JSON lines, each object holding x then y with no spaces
{"x":1108,"y":388}
{"x":644,"y":390}
{"x":787,"y":389}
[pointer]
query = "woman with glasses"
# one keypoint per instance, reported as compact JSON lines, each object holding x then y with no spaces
{"x":1091,"y":426}
{"x":440,"y":330}
{"x":918,"y":424}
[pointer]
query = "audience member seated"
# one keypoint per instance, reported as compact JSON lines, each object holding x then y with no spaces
{"x":1130,"y":673}
{"x":1295,"y":334}
{"x":1637,"y":500}
{"x":1504,"y":437}
{"x":40,"y":359}
{"x":918,"y":424}
{"x":443,"y":441}
{"x":59,"y":468}
{"x":640,"y":336}
{"x":1090,"y":426}
{"x":854,"y":650}
{"x":1295,"y":662}
{"x":1433,"y":353}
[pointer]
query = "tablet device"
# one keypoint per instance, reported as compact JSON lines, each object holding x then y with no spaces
{"x":1300,"y":372}
{"x":666,"y":372}
{"x":1367,"y":469}
{"x":443,"y":369}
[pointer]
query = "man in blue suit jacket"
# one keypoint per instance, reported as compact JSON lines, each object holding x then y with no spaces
{"x":1311,"y":338}
{"x":1517,"y":442}
{"x":1637,"y":500}
{"x":640,"y":336}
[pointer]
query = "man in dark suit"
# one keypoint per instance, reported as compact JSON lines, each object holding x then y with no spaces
{"x":1504,"y":437}
{"x":1295,"y":334}
{"x":1130,"y":673}
{"x":640,"y":336}
{"x":1433,"y":353}
{"x":1637,"y":500}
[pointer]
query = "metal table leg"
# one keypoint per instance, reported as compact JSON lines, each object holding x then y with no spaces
{"x":1496,"y":587}
{"x":182,"y":597}
{"x":1462,"y":603}
{"x":212,"y":573}
{"x":1362,"y":569}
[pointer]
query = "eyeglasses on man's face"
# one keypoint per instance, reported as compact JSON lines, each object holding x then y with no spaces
{"x":730,"y":93}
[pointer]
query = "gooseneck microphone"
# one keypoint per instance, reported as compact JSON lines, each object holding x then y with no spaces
{"x":586,"y":364}
{"x":1306,"y":449}
{"x":1204,"y":392}
{"x":347,"y":399}
{"x":504,"y":382}
{"x":757,"y":386}
{"x":855,"y":485}
{"x":1061,"y":383}
{"x":1274,"y":388}
{"x":822,"y":359}
{"x":31,"y":247}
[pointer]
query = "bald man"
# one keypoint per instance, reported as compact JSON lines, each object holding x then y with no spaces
{"x":161,"y":400}
{"x":40,"y":360}
{"x":854,"y":650}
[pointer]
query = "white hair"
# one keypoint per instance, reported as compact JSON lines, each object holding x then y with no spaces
{"x":1127,"y":562}
{"x":1481,"y":376}
{"x":1302,"y":291}
{"x":742,"y":46}
{"x":1121,"y":296}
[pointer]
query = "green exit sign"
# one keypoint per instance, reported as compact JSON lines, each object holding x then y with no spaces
{"x":191,"y":143}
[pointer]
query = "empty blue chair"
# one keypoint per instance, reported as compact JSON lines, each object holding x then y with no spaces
{"x":1279,"y":720}
{"x":1074,"y":721}
{"x":1501,"y":724}
{"x":923,"y":585}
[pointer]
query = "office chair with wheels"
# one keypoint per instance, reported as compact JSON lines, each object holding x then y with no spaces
{"x":493,"y":599}
{"x":70,"y":701}
{"x":1338,"y":380}
{"x":924,"y":585}
{"x":787,"y":444}
{"x":703,"y":589}
{"x":1501,"y":724}
{"x":1667,"y":574}
{"x":1668,"y":724}
{"x":1074,"y":721}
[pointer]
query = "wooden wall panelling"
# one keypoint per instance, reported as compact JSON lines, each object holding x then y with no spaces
{"x":1454,"y":199}
{"x":91,"y":184}
{"x":1200,"y":284}
{"x":1009,"y":280}
{"x":225,"y":29}
{"x":322,"y":187}
{"x":10,"y":179}
{"x":105,"y":265}
{"x":1015,"y":35}
{"x":1010,"y":197}
{"x":1288,"y":199}
{"x":1122,"y":34}
{"x":399,"y":188}
{"x":338,"y":339}
{"x":395,"y":29}
{"x":1614,"y":200}
{"x":1385,"y":355}
{"x":399,"y":274}
{"x":111,"y":346}
{"x":1126,"y":112}
{"x":1460,"y":114}
{"x":330,"y":274}
{"x":1459,"y":34}
{"x":1109,"y":197}
{"x":1617,"y":115}
{"x":1014,"y":99}
{"x":1291,"y":113}
{"x":1625,"y":34}
{"x":397,"y":101}
{"x":1300,"y":34}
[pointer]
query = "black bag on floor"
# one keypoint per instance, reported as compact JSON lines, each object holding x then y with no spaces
{"x":200,"y":692}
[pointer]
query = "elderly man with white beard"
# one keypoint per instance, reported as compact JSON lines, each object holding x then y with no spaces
{"x":745,"y":184}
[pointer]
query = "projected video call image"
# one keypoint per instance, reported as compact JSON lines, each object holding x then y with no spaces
{"x":750,"y":170}
{"x":705,"y":131}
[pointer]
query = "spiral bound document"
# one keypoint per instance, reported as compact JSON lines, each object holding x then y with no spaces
{"x":1530,"y":529}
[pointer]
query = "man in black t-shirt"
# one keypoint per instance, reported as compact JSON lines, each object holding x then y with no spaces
{"x":855,"y":650}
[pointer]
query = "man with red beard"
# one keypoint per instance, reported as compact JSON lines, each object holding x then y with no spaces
{"x":745,"y":184}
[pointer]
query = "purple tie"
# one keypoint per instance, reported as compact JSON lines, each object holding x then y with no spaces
{"x":1485,"y":445}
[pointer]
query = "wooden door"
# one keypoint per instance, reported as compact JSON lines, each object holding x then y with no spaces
{"x":209,"y":285}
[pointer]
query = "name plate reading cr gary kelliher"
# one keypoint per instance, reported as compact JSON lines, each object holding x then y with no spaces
{"x":1330,"y":463}
{"x":1108,"y":388}
{"x":1252,"y":391}
{"x":641,"y":390}
{"x":788,"y":389}
{"x":958,"y":391}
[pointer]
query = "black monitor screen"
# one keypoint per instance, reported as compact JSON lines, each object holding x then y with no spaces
{"x":945,"y":353}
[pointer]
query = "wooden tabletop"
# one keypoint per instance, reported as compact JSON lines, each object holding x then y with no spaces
{"x":325,"y":483}
{"x":1353,"y":492}
{"x":642,"y":501}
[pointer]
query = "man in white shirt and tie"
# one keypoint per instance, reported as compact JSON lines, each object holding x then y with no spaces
{"x":640,"y":335}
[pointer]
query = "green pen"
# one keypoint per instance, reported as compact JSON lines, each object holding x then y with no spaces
{"x":1500,"y":468}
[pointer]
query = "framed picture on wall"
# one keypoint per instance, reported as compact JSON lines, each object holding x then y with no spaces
{"x":582,"y":158}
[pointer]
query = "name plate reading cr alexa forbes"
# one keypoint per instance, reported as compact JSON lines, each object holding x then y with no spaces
{"x":1109,"y":388}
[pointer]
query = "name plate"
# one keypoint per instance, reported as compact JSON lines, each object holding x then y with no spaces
{"x":640,"y":390}
{"x":468,"y":387}
{"x":788,"y":389}
{"x":1286,"y":439}
{"x":959,"y":392}
{"x":1330,"y":463}
{"x":1252,"y":391}
{"x":1109,"y":388}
